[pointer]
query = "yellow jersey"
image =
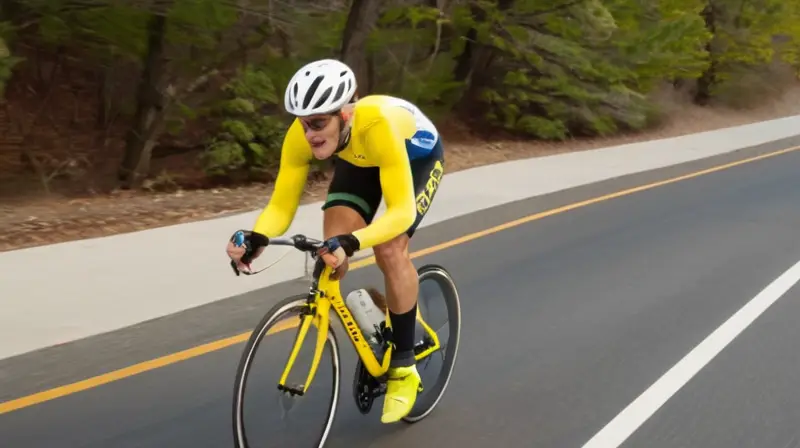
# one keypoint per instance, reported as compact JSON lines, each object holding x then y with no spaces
{"x":387,"y":133}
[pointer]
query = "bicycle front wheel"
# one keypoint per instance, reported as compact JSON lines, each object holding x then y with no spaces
{"x":273,"y":322}
{"x":440,"y":300}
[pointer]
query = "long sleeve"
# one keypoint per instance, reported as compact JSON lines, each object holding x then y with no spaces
{"x":277,"y":216}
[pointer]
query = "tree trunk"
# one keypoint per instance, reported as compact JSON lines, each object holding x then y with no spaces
{"x":149,"y":108}
{"x":475,"y":57}
{"x":474,"y":63}
{"x":361,"y":21}
{"x":5,"y":66}
{"x":105,"y":94}
{"x":464,"y":61}
{"x":705,"y":83}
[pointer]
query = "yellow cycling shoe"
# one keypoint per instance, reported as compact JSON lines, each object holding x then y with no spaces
{"x":401,"y":393}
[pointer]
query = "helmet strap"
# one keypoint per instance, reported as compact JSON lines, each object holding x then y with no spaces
{"x":344,"y":140}
{"x":344,"y":132}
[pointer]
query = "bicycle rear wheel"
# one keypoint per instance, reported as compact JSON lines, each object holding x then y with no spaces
{"x":431,"y":396}
{"x":295,"y":305}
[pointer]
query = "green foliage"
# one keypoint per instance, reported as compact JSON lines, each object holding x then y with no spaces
{"x":749,"y":36}
{"x":7,"y":60}
{"x":660,"y":40}
{"x":248,"y":138}
{"x":548,"y":69}
{"x":112,"y":30}
{"x":585,"y":68}
{"x":314,"y":35}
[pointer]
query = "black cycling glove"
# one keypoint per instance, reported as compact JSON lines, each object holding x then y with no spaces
{"x":341,"y":246}
{"x":252,"y":241}
{"x":348,"y":242}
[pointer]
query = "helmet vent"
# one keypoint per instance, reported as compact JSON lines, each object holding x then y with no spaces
{"x":311,"y":91}
{"x":339,"y":92}
{"x":324,"y":97}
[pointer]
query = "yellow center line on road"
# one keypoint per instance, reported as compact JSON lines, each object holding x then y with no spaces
{"x":126,"y":372}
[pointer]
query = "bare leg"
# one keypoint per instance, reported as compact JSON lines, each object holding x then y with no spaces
{"x":399,"y":274}
{"x":402,"y":287}
{"x":401,"y":291}
{"x":339,"y":220}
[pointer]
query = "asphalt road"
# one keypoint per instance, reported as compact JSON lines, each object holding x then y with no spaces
{"x":566,"y":320}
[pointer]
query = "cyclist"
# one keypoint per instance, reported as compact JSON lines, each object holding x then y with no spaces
{"x":384,"y":146}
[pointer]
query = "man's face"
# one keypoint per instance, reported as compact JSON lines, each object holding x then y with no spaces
{"x":322,"y":133}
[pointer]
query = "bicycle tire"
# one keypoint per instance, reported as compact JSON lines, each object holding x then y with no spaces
{"x":423,"y":408}
{"x":293,"y":303}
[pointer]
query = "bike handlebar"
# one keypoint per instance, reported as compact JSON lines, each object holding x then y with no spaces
{"x":298,"y":241}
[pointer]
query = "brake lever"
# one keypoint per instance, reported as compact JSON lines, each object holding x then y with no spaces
{"x":238,"y":272}
{"x":246,"y":258}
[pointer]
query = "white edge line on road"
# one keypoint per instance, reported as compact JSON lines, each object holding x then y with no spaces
{"x":641,"y":409}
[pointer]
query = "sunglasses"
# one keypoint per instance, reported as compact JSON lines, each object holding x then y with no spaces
{"x":315,"y":124}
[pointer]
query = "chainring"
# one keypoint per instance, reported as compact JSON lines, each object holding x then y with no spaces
{"x":366,"y":388}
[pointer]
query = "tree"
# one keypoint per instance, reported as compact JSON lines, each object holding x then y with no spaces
{"x":151,"y":104}
{"x":576,"y":67}
{"x":185,"y":49}
{"x":207,"y":75}
{"x":360,"y":22}
{"x":7,"y":63}
{"x":744,"y":39}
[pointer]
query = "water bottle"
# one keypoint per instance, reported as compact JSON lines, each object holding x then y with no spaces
{"x":367,"y":315}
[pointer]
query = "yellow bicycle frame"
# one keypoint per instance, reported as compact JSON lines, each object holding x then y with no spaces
{"x":328,"y":294}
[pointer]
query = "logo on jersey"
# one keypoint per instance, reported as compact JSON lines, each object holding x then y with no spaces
{"x":425,"y":197}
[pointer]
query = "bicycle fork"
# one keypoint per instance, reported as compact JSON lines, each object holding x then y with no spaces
{"x":321,"y":311}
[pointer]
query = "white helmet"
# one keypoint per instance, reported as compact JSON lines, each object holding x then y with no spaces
{"x":320,"y":87}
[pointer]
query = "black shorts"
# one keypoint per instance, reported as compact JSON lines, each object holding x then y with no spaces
{"x":360,"y":188}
